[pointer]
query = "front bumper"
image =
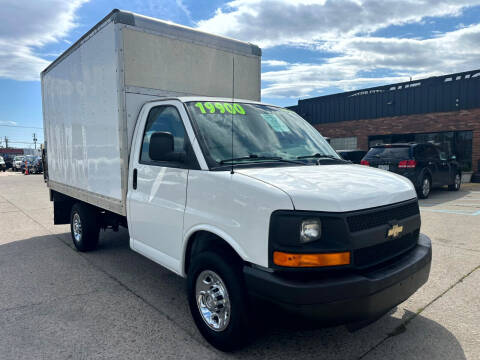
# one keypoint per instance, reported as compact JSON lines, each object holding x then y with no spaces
{"x":350,"y":297}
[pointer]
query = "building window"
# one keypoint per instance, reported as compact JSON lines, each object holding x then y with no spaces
{"x":458,"y":143}
{"x":344,"y":143}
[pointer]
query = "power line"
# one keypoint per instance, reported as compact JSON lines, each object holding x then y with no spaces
{"x":19,"y":126}
{"x":20,"y":142}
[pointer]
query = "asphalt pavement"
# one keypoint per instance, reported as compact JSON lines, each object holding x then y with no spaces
{"x":57,"y":303}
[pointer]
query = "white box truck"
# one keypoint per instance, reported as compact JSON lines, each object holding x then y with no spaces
{"x":157,"y":127}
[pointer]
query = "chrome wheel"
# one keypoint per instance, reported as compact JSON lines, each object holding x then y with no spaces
{"x":212,"y":300}
{"x":458,"y":181}
{"x":426,"y":187}
{"x":77,"y":227}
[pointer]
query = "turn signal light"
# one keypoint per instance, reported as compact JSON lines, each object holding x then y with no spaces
{"x":364,"y":162}
{"x":407,"y":164}
{"x":311,"y":260}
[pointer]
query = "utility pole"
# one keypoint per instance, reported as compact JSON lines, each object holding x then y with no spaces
{"x":35,"y":140}
{"x":6,"y":142}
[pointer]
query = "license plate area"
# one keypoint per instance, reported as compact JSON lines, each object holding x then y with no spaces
{"x":384,"y":167}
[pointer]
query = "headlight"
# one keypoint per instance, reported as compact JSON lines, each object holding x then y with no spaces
{"x":310,"y":230}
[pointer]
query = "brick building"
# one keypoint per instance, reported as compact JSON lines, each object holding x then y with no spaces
{"x":444,"y":110}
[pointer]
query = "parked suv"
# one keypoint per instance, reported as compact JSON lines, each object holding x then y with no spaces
{"x":3,"y":167}
{"x":424,"y":164}
{"x":355,"y":156}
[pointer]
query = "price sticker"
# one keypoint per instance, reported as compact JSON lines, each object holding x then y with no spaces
{"x":208,"y":107}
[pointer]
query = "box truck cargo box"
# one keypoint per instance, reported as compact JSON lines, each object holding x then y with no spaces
{"x":92,"y":95}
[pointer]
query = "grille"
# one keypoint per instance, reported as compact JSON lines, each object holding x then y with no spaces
{"x":381,"y":217}
{"x":376,"y":254}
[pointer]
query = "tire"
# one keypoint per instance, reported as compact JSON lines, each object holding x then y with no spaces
{"x":457,"y":182}
{"x":425,"y":189}
{"x":84,"y":227}
{"x":232,"y":333}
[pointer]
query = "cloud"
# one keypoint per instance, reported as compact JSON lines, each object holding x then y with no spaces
{"x":346,"y":31}
{"x":13,"y":123}
{"x":175,"y":11}
{"x":274,"y":63}
{"x":454,"y":51}
{"x":283,"y":22}
{"x":27,"y":27}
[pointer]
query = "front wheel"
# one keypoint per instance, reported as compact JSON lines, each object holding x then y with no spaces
{"x":456,"y":183}
{"x":218,"y":300}
{"x":425,"y":187}
{"x":84,"y":227}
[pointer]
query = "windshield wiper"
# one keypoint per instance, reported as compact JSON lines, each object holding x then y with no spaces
{"x":255,"y":157}
{"x":319,"y":156}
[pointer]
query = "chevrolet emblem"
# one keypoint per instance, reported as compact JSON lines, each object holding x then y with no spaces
{"x":395,"y":230}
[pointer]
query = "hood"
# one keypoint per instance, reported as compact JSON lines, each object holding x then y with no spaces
{"x":335,"y":188}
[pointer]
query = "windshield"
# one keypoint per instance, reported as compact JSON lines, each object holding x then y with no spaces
{"x":18,"y":158}
{"x":1,"y":158}
{"x":259,"y":132}
{"x":397,"y":153}
{"x":29,"y":158}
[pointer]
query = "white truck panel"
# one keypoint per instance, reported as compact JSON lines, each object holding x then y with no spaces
{"x":93,"y":93}
{"x":205,"y":70}
{"x":82,"y":118}
{"x":239,"y":212}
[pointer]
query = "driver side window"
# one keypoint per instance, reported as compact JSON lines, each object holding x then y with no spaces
{"x":163,"y":119}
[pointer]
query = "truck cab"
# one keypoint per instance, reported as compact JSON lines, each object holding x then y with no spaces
{"x":278,"y":215}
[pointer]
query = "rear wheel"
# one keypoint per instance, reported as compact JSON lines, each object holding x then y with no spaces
{"x":456,"y":183}
{"x":425,"y":187}
{"x":218,"y":300}
{"x":84,"y":227}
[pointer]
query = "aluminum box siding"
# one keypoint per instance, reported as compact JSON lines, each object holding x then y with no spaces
{"x":82,"y":118}
{"x":92,"y":95}
{"x":154,"y":61}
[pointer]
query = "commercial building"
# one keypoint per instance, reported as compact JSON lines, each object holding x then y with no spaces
{"x":444,"y":110}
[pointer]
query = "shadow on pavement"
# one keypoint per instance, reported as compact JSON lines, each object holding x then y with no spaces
{"x":389,"y":338}
{"x":277,"y":335}
{"x":443,"y":195}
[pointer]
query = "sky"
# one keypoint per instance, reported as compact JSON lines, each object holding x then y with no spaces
{"x":310,"y":47}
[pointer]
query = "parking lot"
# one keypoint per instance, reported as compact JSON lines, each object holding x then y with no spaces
{"x":57,"y":303}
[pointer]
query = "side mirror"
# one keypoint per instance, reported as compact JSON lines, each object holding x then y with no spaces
{"x":161,"y":148}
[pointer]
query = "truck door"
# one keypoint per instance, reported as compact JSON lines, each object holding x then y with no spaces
{"x":157,"y":189}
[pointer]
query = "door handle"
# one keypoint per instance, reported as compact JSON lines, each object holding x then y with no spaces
{"x":135,"y":174}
